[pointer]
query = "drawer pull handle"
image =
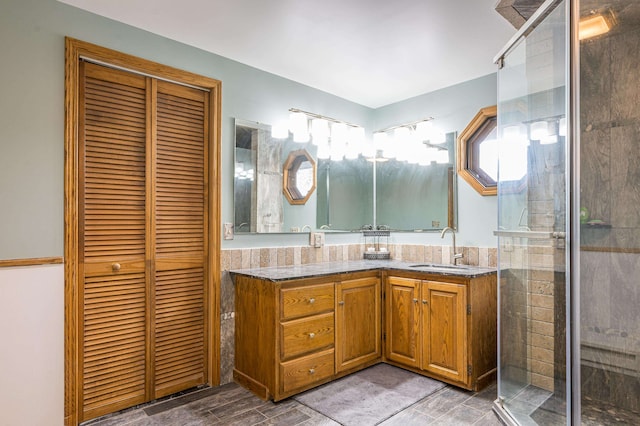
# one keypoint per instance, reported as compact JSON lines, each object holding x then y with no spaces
{"x":312,"y":301}
{"x":312,"y":371}
{"x":312,"y":335}
{"x":115,"y":267}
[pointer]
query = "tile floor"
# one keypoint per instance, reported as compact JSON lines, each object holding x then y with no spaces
{"x":233,"y":405}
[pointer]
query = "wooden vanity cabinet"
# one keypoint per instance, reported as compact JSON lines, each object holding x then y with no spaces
{"x":296,"y":334}
{"x":442,"y":326}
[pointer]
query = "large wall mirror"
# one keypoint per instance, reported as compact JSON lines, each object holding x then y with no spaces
{"x":349,"y":195}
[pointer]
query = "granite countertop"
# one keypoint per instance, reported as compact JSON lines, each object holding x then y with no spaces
{"x":281,"y":273}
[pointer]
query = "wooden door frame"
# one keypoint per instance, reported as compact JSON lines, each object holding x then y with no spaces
{"x":75,"y":50}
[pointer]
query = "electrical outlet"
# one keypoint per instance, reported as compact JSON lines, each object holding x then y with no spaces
{"x":228,"y":231}
{"x":316,"y":239}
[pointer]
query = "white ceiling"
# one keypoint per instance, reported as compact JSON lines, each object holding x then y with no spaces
{"x":372,"y":52}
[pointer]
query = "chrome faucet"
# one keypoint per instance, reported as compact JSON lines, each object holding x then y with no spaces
{"x":456,"y":256}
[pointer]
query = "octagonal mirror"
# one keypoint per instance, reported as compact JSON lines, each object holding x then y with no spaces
{"x":478,"y":154}
{"x":299,"y":177}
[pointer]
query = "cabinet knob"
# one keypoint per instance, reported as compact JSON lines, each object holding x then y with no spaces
{"x":341,"y":302}
{"x":424,"y":301}
{"x":415,"y":300}
{"x":115,"y":267}
{"x":312,"y":371}
{"x":312,"y":335}
{"x":312,"y":300}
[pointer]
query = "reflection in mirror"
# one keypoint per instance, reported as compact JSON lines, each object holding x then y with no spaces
{"x":413,"y":197}
{"x":299,"y":176}
{"x":345,"y":194}
{"x":257,"y":179}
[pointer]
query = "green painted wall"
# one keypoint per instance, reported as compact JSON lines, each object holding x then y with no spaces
{"x":451,"y":108}
{"x":32,"y":109}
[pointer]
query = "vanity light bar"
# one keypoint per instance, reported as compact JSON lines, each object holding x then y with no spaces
{"x":324,"y":117}
{"x":410,"y":125}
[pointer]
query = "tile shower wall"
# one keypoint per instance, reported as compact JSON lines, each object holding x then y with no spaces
{"x":610,"y":191}
{"x":300,"y":255}
{"x":533,"y":305}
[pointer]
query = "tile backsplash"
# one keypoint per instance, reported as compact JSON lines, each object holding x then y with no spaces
{"x":301,"y":255}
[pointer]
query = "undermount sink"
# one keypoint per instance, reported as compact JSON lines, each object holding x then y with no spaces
{"x":438,"y":266}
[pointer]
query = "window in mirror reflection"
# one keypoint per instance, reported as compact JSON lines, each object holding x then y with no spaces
{"x":299,"y":176}
{"x":304,"y":177}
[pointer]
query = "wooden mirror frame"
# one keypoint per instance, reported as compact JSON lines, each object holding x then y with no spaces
{"x":466,"y":139}
{"x":290,"y":176}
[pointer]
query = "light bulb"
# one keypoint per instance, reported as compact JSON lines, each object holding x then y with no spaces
{"x":324,"y":152}
{"x":539,"y":130}
{"x":319,"y":131}
{"x":298,"y":122}
{"x":356,"y":134}
{"x":562,"y":126}
{"x":380,"y":140}
{"x":301,"y":137}
{"x":401,"y":134}
{"x":280,"y":130}
{"x":339,"y":133}
{"x":423,"y":130}
{"x":592,"y":26}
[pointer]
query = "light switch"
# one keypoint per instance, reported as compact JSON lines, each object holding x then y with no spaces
{"x":316,"y":239}
{"x":228,"y":231}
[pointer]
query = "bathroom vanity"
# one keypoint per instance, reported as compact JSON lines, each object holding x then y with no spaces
{"x":301,"y":326}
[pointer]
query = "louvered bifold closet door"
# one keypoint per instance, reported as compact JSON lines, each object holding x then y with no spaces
{"x":112,"y":217}
{"x":143,"y":246}
{"x":181,"y":226}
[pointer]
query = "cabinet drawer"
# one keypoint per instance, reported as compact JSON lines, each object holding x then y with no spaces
{"x":308,"y":300}
{"x":307,"y":335}
{"x":305,"y":371}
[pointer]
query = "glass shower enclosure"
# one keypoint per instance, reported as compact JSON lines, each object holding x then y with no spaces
{"x":569,"y":216}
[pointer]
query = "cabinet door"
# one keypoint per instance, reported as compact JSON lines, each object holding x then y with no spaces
{"x":444,"y":329}
{"x":358,"y":318}
{"x":403,"y":320}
